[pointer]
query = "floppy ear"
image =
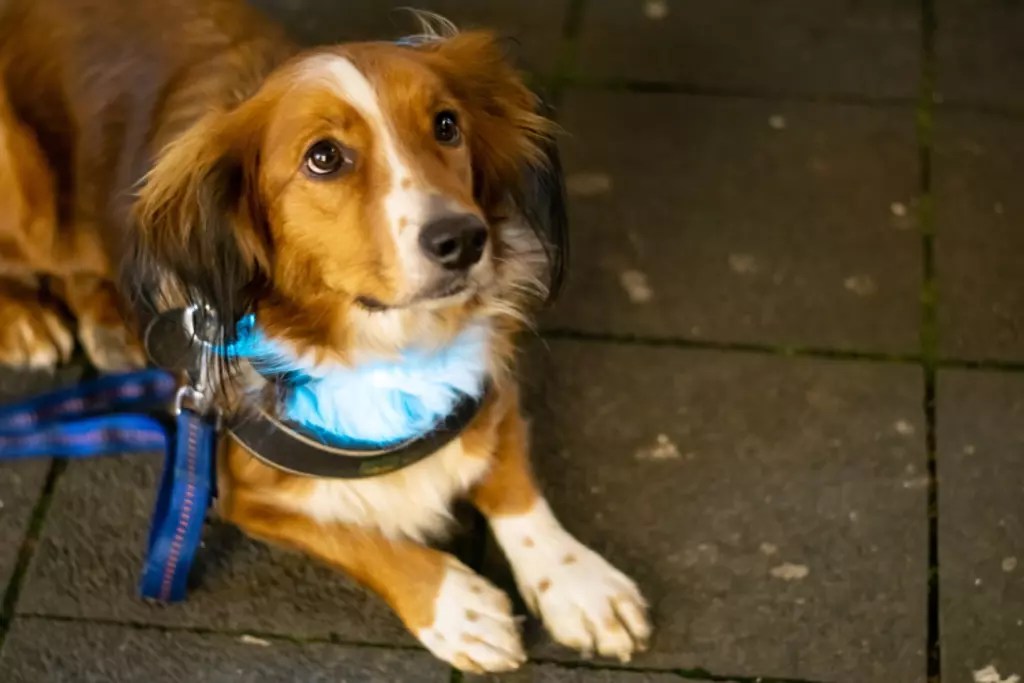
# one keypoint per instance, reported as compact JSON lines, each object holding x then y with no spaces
{"x":540,"y":199}
{"x":199,"y":227}
{"x":515,"y":158}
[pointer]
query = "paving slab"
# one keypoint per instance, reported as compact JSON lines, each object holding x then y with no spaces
{"x":868,"y":47}
{"x":533,"y":27}
{"x":89,"y":557}
{"x":981,"y":523}
{"x":979,"y":211}
{"x":42,"y":651}
{"x":979,"y":52}
{"x":21,"y":483}
{"x":741,"y":221}
{"x":773,"y":510}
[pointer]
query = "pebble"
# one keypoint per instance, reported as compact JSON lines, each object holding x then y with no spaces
{"x":656,"y":9}
{"x":790,"y":572}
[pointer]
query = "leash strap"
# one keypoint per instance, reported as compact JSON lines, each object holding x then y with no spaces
{"x":114,"y":415}
{"x":177,"y":525}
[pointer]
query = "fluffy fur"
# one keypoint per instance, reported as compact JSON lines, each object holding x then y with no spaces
{"x":376,"y":403}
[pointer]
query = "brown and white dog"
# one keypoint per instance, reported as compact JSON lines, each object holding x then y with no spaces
{"x":159,"y":152}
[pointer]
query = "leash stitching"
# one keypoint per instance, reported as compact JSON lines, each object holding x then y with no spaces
{"x":184,"y":518}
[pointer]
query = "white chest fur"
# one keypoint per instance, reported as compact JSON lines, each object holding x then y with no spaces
{"x":413,"y":503}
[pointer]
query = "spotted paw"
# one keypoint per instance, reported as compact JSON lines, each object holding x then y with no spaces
{"x":473,"y":628}
{"x":33,"y":336}
{"x":584,"y":602}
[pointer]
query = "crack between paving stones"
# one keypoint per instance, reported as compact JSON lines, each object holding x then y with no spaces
{"x":826,"y":353}
{"x":689,"y":674}
{"x":330,"y":639}
{"x":572,"y":82}
{"x":692,"y":674}
{"x":628,"y":339}
{"x":929,"y":329}
{"x":456,"y":676}
{"x":37,"y":519}
{"x":584,"y":83}
{"x":568,"y":52}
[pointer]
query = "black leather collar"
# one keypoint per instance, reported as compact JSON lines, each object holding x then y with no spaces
{"x":291,"y":448}
{"x":287,"y":446}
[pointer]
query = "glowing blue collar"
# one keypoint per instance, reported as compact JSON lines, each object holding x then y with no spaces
{"x":376,"y":404}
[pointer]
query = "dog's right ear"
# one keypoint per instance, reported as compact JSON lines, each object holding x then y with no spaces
{"x":199,"y":230}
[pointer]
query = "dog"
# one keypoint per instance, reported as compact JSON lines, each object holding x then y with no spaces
{"x":358,"y":204}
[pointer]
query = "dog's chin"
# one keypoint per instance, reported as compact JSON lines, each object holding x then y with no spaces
{"x":446,"y":296}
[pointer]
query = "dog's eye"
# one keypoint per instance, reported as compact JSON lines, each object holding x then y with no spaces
{"x":446,"y":128}
{"x":325,"y":158}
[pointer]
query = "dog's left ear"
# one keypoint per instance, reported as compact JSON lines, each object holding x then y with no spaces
{"x":511,"y":138}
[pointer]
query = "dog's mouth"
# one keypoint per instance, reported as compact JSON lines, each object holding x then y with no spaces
{"x":449,"y":293}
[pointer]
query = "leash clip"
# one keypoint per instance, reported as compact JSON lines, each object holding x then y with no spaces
{"x":198,"y":323}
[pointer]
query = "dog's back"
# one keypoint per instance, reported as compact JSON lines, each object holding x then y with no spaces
{"x":92,"y":89}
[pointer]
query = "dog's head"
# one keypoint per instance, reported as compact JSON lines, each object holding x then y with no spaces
{"x":368,"y":197}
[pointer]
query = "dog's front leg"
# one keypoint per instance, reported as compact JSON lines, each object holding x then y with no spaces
{"x":584,"y":602}
{"x":457,"y":614}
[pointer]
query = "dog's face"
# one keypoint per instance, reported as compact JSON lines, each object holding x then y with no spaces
{"x":368,"y":196}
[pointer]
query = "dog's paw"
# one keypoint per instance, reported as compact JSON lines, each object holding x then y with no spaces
{"x":111,"y":348}
{"x":473,"y":628}
{"x":584,"y":602}
{"x":33,"y":336}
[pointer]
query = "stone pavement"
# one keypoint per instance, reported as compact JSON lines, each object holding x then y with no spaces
{"x":783,"y":389}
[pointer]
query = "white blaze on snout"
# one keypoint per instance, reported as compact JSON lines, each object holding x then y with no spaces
{"x":406,"y":208}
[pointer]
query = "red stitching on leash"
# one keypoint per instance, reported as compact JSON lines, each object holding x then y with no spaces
{"x":183,"y":520}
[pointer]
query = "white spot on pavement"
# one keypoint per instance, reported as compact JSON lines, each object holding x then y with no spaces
{"x":977,"y":582}
{"x":656,"y":9}
{"x":585,"y":184}
{"x":663,"y":449}
{"x":636,"y":286}
{"x":745,"y":264}
{"x":899,"y":209}
{"x":790,"y":572}
{"x":969,"y":450}
{"x":253,"y":640}
{"x":1009,"y":564}
{"x":916,"y":483}
{"x":991,"y":675}
{"x":998,"y":208}
{"x":777,"y":121}
{"x":769,"y":549}
{"x":903,"y":428}
{"x":862,"y":285}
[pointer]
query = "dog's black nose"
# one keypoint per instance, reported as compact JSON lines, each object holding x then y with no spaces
{"x":454,"y":242}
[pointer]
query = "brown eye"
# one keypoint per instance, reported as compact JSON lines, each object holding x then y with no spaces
{"x":324,"y":158}
{"x":446,"y":128}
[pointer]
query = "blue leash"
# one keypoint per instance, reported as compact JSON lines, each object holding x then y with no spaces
{"x":114,"y":415}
